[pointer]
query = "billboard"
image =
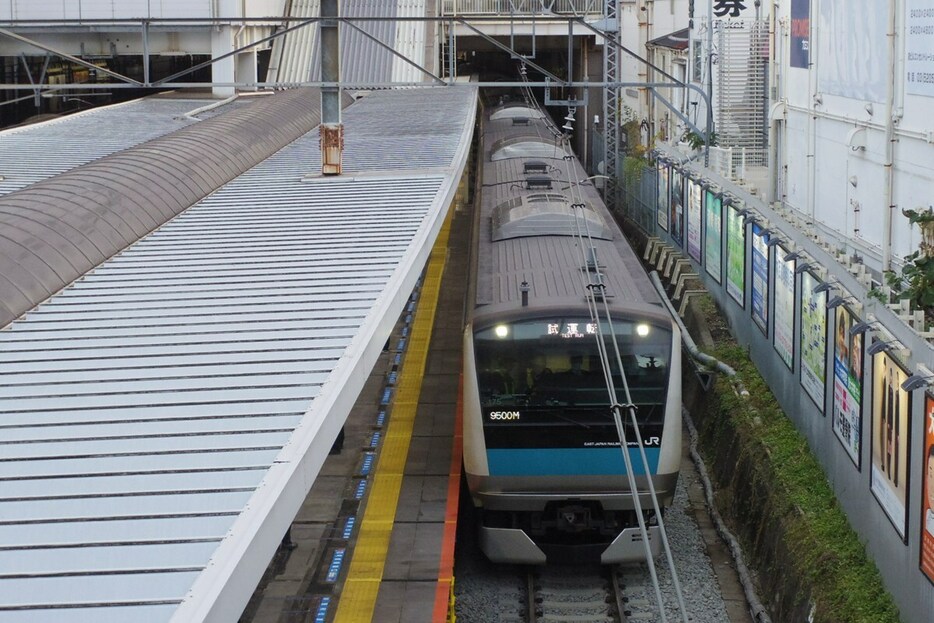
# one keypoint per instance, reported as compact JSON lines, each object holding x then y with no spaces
{"x":676,"y":215}
{"x":800,"y":33}
{"x":891,"y":423}
{"x":663,"y":196}
{"x":760,"y":279}
{"x":852,"y":48}
{"x":694,"y":194}
{"x":713,"y":234}
{"x":848,"y":384}
{"x":784,"y":335}
{"x":919,"y":47}
{"x":927,"y":491}
{"x":735,"y":256}
{"x":813,"y":339}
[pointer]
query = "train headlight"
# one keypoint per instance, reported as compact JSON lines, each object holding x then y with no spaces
{"x":501,"y":330}
{"x":642,"y":329}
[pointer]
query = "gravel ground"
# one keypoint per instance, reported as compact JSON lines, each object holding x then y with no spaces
{"x":487,"y":592}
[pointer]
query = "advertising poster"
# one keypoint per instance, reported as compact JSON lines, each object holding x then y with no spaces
{"x":713,"y":237}
{"x":927,"y":492}
{"x":852,"y":48}
{"x":676,"y":220}
{"x":847,"y":384}
{"x":663,"y":197}
{"x":784,"y":307}
{"x":760,"y":279}
{"x":694,"y":220}
{"x":891,"y":422}
{"x":735,"y":256}
{"x":919,"y":47}
{"x":800,"y":32}
{"x":813,"y":339}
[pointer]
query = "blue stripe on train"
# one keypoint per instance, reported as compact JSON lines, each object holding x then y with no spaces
{"x":567,"y":461}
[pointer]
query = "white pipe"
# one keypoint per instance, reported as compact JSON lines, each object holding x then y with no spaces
{"x":197,"y":111}
{"x":812,"y":117}
{"x":889,"y":144}
{"x":774,"y":167}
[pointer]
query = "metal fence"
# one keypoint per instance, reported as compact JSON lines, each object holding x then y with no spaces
{"x":638,"y":198}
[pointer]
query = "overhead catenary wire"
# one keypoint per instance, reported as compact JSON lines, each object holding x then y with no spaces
{"x":594,"y":284}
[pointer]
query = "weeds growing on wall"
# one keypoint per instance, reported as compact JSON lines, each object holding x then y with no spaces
{"x":827,"y":555}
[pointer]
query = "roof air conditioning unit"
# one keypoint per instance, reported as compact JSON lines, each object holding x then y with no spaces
{"x":534,"y":166}
{"x":520,"y":121}
{"x":538,"y":181}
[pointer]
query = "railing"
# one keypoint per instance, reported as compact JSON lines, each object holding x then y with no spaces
{"x":521,"y":7}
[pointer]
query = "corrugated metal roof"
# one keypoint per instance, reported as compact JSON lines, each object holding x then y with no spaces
{"x":33,"y":153}
{"x":57,"y":229}
{"x":162,"y":419}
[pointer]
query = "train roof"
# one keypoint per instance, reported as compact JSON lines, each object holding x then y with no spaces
{"x":527,"y":231}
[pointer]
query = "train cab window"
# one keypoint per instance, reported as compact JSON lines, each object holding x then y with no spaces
{"x":556,"y":364}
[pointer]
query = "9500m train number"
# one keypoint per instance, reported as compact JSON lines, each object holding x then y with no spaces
{"x":505,"y":416}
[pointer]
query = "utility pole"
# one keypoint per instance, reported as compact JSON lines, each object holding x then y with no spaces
{"x":611,"y":105}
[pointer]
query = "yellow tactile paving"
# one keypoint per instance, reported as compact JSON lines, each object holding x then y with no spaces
{"x":358,"y":596}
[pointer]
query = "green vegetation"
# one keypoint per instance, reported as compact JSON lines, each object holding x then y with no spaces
{"x":696,"y":141}
{"x":916,"y":282}
{"x":801,"y":540}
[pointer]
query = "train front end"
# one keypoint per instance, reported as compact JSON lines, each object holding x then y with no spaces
{"x":542,"y":450}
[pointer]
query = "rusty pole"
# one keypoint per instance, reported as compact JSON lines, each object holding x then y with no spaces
{"x":332,"y":130}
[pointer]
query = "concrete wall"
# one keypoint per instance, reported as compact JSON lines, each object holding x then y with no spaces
{"x":897,"y":560}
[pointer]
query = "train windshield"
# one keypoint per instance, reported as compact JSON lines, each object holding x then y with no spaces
{"x":554,"y":365}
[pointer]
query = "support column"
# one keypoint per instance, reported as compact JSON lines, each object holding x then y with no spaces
{"x":332,"y":130}
{"x":222,"y":42}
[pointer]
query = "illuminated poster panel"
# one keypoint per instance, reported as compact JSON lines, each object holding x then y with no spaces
{"x":760,"y":279}
{"x":713,"y":237}
{"x":927,"y":491}
{"x":676,"y":219}
{"x":694,"y":219}
{"x":847,"y":384}
{"x":783,"y":339}
{"x":735,"y":256}
{"x":813,"y":339}
{"x":663,"y":197}
{"x":891,"y":422}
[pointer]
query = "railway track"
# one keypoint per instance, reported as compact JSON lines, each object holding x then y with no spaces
{"x":571,"y":594}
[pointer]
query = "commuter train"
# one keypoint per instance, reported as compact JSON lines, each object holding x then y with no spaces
{"x":542,"y":453}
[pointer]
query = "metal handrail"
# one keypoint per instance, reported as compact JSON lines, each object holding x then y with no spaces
{"x":520,"y":7}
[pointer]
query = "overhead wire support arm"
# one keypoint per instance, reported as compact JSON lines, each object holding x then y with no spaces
{"x":585,"y":238}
